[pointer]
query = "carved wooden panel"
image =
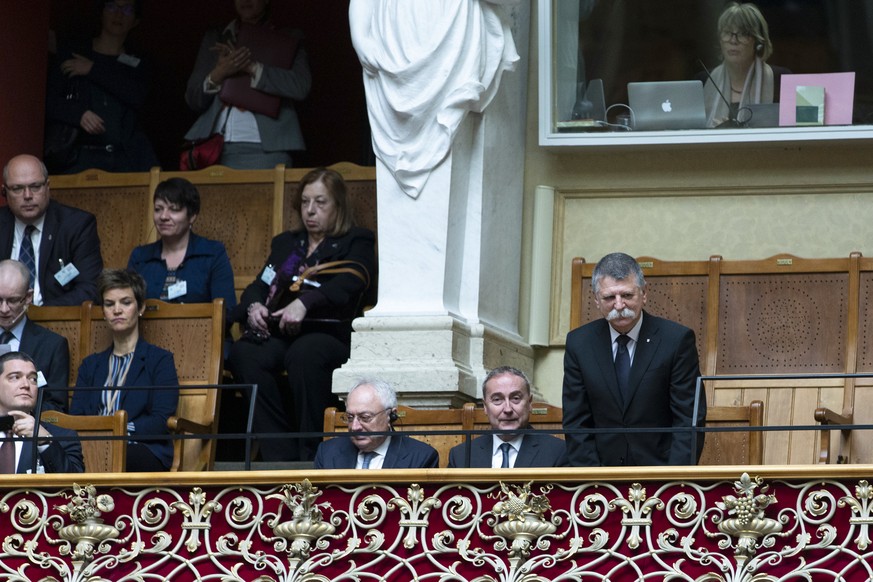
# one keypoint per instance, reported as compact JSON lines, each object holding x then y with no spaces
{"x":782,"y":323}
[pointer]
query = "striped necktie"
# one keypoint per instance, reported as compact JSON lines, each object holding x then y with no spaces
{"x":25,"y":253}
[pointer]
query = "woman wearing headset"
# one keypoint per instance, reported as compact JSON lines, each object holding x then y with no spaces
{"x":744,"y":77}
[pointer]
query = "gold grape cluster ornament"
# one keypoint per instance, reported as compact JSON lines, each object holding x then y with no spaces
{"x":747,"y":521}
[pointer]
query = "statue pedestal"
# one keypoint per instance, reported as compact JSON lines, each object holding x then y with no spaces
{"x":434,"y":361}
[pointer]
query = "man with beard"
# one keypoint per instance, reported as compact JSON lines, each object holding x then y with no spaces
{"x":629,"y":370}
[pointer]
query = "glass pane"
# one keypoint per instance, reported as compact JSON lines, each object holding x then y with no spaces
{"x":624,"y":41}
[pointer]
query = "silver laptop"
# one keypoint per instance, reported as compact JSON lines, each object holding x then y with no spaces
{"x":667,"y":105}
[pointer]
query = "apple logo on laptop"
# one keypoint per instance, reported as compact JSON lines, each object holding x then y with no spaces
{"x":667,"y":106}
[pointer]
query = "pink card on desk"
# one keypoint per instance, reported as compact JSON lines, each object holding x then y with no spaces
{"x":839,"y":99}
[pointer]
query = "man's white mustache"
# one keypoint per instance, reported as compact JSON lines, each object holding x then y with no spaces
{"x":626,"y":313}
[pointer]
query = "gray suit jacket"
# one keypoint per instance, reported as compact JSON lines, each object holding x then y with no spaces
{"x":280,"y":134}
{"x":537,"y":450}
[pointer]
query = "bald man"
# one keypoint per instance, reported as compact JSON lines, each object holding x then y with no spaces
{"x":59,"y":244}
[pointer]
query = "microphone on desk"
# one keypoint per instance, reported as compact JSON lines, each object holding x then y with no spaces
{"x":735,"y":121}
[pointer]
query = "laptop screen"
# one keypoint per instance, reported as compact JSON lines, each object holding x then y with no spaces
{"x":667,"y":105}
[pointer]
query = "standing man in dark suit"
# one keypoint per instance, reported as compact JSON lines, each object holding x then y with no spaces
{"x":57,"y":243}
{"x":17,"y":399}
{"x":371,"y":406}
{"x":49,"y":350}
{"x":507,"y":400}
{"x":629,"y":370}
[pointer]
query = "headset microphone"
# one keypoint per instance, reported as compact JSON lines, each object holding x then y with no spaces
{"x":392,"y":416}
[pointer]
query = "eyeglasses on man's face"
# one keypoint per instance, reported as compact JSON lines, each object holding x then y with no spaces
{"x":363,"y":418}
{"x":19,"y":189}
{"x":13,"y":302}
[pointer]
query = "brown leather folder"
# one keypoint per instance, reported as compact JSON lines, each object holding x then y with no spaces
{"x":270,"y":47}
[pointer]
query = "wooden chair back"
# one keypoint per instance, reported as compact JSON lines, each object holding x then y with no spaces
{"x":734,"y":448}
{"x":255,"y":199}
{"x":125,"y":197}
{"x":65,"y":321}
{"x":543,"y":417}
{"x":101,"y":456}
{"x":194,"y":332}
{"x":414,"y":419}
{"x":360,"y":184}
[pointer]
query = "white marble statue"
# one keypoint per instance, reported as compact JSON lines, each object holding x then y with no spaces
{"x":427,"y":63}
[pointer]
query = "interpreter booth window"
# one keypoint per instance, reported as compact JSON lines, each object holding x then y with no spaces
{"x":689,"y":71}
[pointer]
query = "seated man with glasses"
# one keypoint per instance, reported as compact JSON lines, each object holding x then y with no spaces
{"x":371,"y":408}
{"x":58,"y":244}
{"x":49,"y":351}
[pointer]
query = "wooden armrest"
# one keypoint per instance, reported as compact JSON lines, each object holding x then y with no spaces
{"x":828,"y":416}
{"x":181,"y":425}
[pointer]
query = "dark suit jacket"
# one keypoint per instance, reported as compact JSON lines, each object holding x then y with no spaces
{"x":662,"y":383}
{"x":537,"y":450}
{"x":403,"y":453}
{"x":62,"y":456}
{"x":340,"y":296}
{"x":69,"y":235}
{"x":51,"y":352}
{"x":147,"y":410}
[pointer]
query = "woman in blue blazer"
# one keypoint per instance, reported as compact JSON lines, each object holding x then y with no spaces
{"x":182,"y":267}
{"x":130,"y":361}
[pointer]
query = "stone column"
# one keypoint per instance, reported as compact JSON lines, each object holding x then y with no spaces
{"x":450,"y":156}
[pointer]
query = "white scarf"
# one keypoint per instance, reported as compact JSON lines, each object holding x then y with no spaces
{"x":758,"y":88}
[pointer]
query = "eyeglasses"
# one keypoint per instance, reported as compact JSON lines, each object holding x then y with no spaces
{"x":740,"y":37}
{"x":125,"y":9}
{"x":12,"y":302}
{"x":363,"y":418}
{"x":35,"y":188}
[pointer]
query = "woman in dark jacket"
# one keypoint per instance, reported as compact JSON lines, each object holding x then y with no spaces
{"x":130,"y":361}
{"x":305,"y":333}
{"x":96,"y":89}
